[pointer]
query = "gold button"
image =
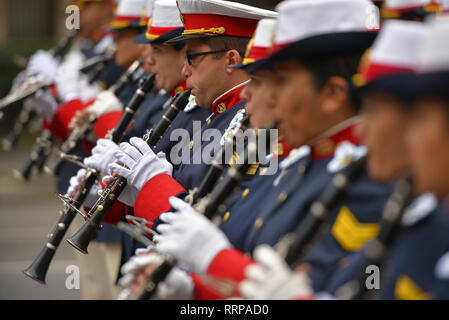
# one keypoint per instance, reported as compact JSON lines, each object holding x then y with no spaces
{"x":208,"y":121}
{"x":263,"y":171}
{"x":221,"y":107}
{"x":245,"y":193}
{"x":226,"y":216}
{"x":258,"y":223}
{"x":191,"y":145}
{"x":179,"y":89}
{"x":283,"y":196}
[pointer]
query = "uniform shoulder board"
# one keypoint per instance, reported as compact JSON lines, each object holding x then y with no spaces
{"x":237,"y":118}
{"x":191,"y":105}
{"x":344,"y":154}
{"x":420,"y":208}
{"x":294,"y":156}
{"x":442,"y":267}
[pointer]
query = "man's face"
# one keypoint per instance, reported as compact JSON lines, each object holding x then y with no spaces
{"x":428,"y":144}
{"x":166,"y":63}
{"x":260,"y":96}
{"x":297,"y":109}
{"x":93,"y":16}
{"x":126,"y":50}
{"x":145,"y":55}
{"x":382,"y":131}
{"x":206,"y":75}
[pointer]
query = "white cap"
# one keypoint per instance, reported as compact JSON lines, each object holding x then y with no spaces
{"x":218,"y":17}
{"x":165,"y":18}
{"x":129,"y":11}
{"x":301,"y":19}
{"x":258,"y":47}
{"x":433,"y":55}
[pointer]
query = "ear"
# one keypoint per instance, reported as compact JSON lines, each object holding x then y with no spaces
{"x":232,"y":58}
{"x":334,"y":94}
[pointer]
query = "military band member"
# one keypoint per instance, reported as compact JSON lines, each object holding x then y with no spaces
{"x":320,"y":117}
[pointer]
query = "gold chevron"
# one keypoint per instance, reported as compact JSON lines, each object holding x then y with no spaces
{"x":350,"y":233}
{"x":407,"y":289}
{"x":252,"y":169}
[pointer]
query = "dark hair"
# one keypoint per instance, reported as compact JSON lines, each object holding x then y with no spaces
{"x":179,"y":46}
{"x":343,"y":65}
{"x":220,"y":43}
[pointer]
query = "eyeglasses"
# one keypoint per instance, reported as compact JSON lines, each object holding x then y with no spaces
{"x":191,"y":56}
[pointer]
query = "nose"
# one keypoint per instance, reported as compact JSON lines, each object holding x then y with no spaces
{"x":186,"y":69}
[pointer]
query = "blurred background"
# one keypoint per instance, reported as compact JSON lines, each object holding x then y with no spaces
{"x":29,"y":209}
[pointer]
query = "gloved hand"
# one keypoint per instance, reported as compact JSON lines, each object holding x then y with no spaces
{"x":272,"y":279}
{"x":89,"y":91}
{"x":128,"y":196}
{"x":44,"y":104}
{"x":67,"y":83}
{"x":75,"y":182}
{"x":140,"y":161}
{"x":105,"y":102}
{"x":189,"y":236}
{"x":44,"y":64}
{"x":177,"y":286}
{"x":102,"y":155}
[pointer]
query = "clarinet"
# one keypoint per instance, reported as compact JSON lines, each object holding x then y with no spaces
{"x":294,"y":245}
{"x":207,"y":206}
{"x":39,"y":267}
{"x":43,"y":154}
{"x":377,"y":251}
{"x":81,"y":239}
{"x":27,"y":114}
{"x":38,"y":154}
{"x":86,"y":125}
{"x":217,"y":165}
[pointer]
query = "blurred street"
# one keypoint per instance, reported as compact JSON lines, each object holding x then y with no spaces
{"x":28,"y":212}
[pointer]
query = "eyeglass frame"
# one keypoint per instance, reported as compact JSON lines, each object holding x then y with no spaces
{"x":189,"y":56}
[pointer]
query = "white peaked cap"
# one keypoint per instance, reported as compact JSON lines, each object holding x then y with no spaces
{"x":149,"y":8}
{"x":398,"y":43}
{"x":301,"y":19}
{"x":130,"y":8}
{"x":225,"y":8}
{"x":405,"y":4}
{"x":434,"y":54}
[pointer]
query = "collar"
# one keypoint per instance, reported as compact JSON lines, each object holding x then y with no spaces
{"x":325,"y":144}
{"x":180,"y":88}
{"x":281,"y":149}
{"x":228,"y":99}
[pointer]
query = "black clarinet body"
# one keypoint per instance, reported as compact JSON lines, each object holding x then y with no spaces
{"x":86,"y":125}
{"x":377,"y":250}
{"x":39,"y":267}
{"x":293,"y":246}
{"x":207,"y":206}
{"x":81,"y":239}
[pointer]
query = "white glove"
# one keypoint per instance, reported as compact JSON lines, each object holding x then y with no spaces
{"x":177,"y":286}
{"x":128,"y":196}
{"x":272,"y":279}
{"x":88,"y":91}
{"x":102,"y":155}
{"x":44,"y":104}
{"x":140,"y":161}
{"x":75,"y":182}
{"x":43,"y":63}
{"x":189,"y":237}
{"x":105,"y":102}
{"x":67,"y":83}
{"x":135,"y":265}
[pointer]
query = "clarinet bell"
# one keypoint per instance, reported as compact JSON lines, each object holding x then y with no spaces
{"x":25,"y":171}
{"x":81,"y":239}
{"x":38,"y":269}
